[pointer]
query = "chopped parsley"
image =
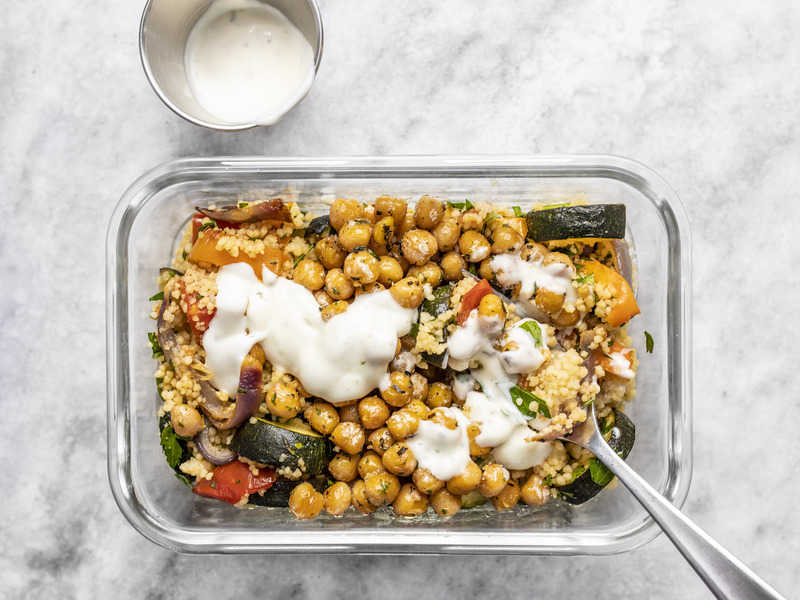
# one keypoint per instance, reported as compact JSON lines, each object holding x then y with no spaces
{"x":184,"y":254}
{"x":533,"y":328}
{"x":579,"y":470}
{"x":648,"y":342}
{"x":489,"y":218}
{"x":157,"y":351}
{"x":524,"y":401}
{"x":599,"y":473}
{"x":581,"y":279}
{"x":466,"y":205}
{"x":158,"y":296}
{"x":171,"y":445}
{"x":298,"y":259}
{"x":210,"y":225}
{"x":517,"y":211}
{"x":414,"y":330}
{"x":243,"y":205}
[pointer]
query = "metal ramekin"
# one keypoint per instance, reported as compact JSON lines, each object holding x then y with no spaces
{"x":163,"y":32}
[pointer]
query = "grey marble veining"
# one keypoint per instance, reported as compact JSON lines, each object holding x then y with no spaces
{"x":704,"y":92}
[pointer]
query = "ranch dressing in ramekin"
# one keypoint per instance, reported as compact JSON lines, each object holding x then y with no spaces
{"x":246,"y":62}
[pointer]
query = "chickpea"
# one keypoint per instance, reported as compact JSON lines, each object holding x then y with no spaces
{"x":426,"y":482}
{"x":419,"y":387}
{"x":518,"y":224}
{"x":381,"y":488}
{"x":370,"y":463}
{"x":383,"y":232}
{"x":386,"y":206}
{"x":380,"y":440}
{"x":475,"y":449}
{"x":397,"y":253}
{"x":322,"y":298}
{"x":369,"y":289}
{"x":494,"y":479}
{"x":349,"y":437}
{"x":466,"y":481}
{"x":360,"y":502}
{"x":355,"y":234}
{"x":373,"y":412}
{"x":310,"y":274}
{"x":337,"y":498}
{"x":344,"y":210}
{"x":485,"y":270}
{"x":337,"y":285}
{"x":508,"y":496}
{"x":186,"y":421}
{"x":399,"y":459}
{"x":343,"y":467}
{"x":349,"y":414}
{"x":474,"y":246}
{"x":389,"y":270}
{"x":321,"y":416}
{"x":429,"y":273}
{"x":407,"y":224}
{"x":533,"y":491}
{"x":533,"y":252}
{"x":408,"y":292}
{"x":417,"y":408}
{"x":333,"y":309}
{"x":419,"y":246}
{"x":330,"y":252}
{"x":548,"y":300}
{"x":439,"y":417}
{"x":492,"y":306}
{"x":410,"y":502}
{"x":284,"y":401}
{"x":439,"y":394}
{"x":398,"y":392}
{"x":446,"y":234}
{"x":361,"y":267}
{"x":445,"y":504}
{"x":506,"y":239}
{"x":567,"y":317}
{"x":452,"y":265}
{"x":402,"y":424}
{"x":471,"y":220}
{"x":559,"y":258}
{"x":429,"y":212}
{"x":305,"y":502}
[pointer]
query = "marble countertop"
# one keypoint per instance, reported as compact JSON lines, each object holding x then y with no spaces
{"x":706,"y":93}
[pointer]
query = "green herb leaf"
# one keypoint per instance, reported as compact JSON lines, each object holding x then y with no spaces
{"x":243,"y":204}
{"x":157,"y":351}
{"x":581,"y":279}
{"x":414,"y":330}
{"x":534,"y":329}
{"x":517,"y":211}
{"x":524,"y":400}
{"x":608,"y":425}
{"x":473,"y":268}
{"x":158,"y":296}
{"x":599,"y":473}
{"x":209,"y":225}
{"x":468,"y":205}
{"x":298,"y":259}
{"x":457,"y":205}
{"x":489,"y":218}
{"x":184,"y":479}
{"x":648,"y":342}
{"x":184,"y":254}
{"x":577,"y":472}
{"x":548,"y":481}
{"x":171,"y":445}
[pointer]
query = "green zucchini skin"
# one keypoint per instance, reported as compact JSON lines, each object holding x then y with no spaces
{"x":277,"y":496}
{"x":564,"y":222}
{"x":435,"y":307}
{"x":319,"y":226}
{"x":277,"y":446}
{"x":583,"y":487}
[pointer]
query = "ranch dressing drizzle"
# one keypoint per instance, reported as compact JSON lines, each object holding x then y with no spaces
{"x":492,"y":408}
{"x":444,"y":452}
{"x":246,"y":62}
{"x":339,"y":360}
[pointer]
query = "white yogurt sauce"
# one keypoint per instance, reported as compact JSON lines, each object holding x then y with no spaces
{"x":520,"y":452}
{"x":511,"y":269}
{"x":444,"y":452}
{"x":492,"y":408}
{"x":621,"y":366}
{"x":340,"y":360}
{"x":246,"y":62}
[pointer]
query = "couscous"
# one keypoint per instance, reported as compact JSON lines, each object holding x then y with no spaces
{"x":394,"y":355}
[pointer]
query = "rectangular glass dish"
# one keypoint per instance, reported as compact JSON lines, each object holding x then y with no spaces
{"x":142,"y":236}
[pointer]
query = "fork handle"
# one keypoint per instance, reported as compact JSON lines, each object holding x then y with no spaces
{"x":724,"y":574}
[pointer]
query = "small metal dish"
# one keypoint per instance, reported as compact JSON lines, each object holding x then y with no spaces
{"x":163,"y":31}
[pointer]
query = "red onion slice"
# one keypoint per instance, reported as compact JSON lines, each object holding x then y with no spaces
{"x":271,"y":209}
{"x":217,"y":455}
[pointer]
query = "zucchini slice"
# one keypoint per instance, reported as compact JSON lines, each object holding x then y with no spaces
{"x":282,"y":446}
{"x":589,"y":483}
{"x":320,"y":226}
{"x":435,"y":307}
{"x":589,"y":221}
{"x":278,"y":493}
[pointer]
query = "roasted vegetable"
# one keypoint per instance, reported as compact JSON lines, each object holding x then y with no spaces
{"x":282,"y":446}
{"x":319,"y":226}
{"x":564,"y":222}
{"x":232,"y":481}
{"x":435,"y":307}
{"x":624,"y":305}
{"x":247,"y":212}
{"x":278,"y":494}
{"x":620,"y":434}
{"x":472,"y":299}
{"x":205,"y":250}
